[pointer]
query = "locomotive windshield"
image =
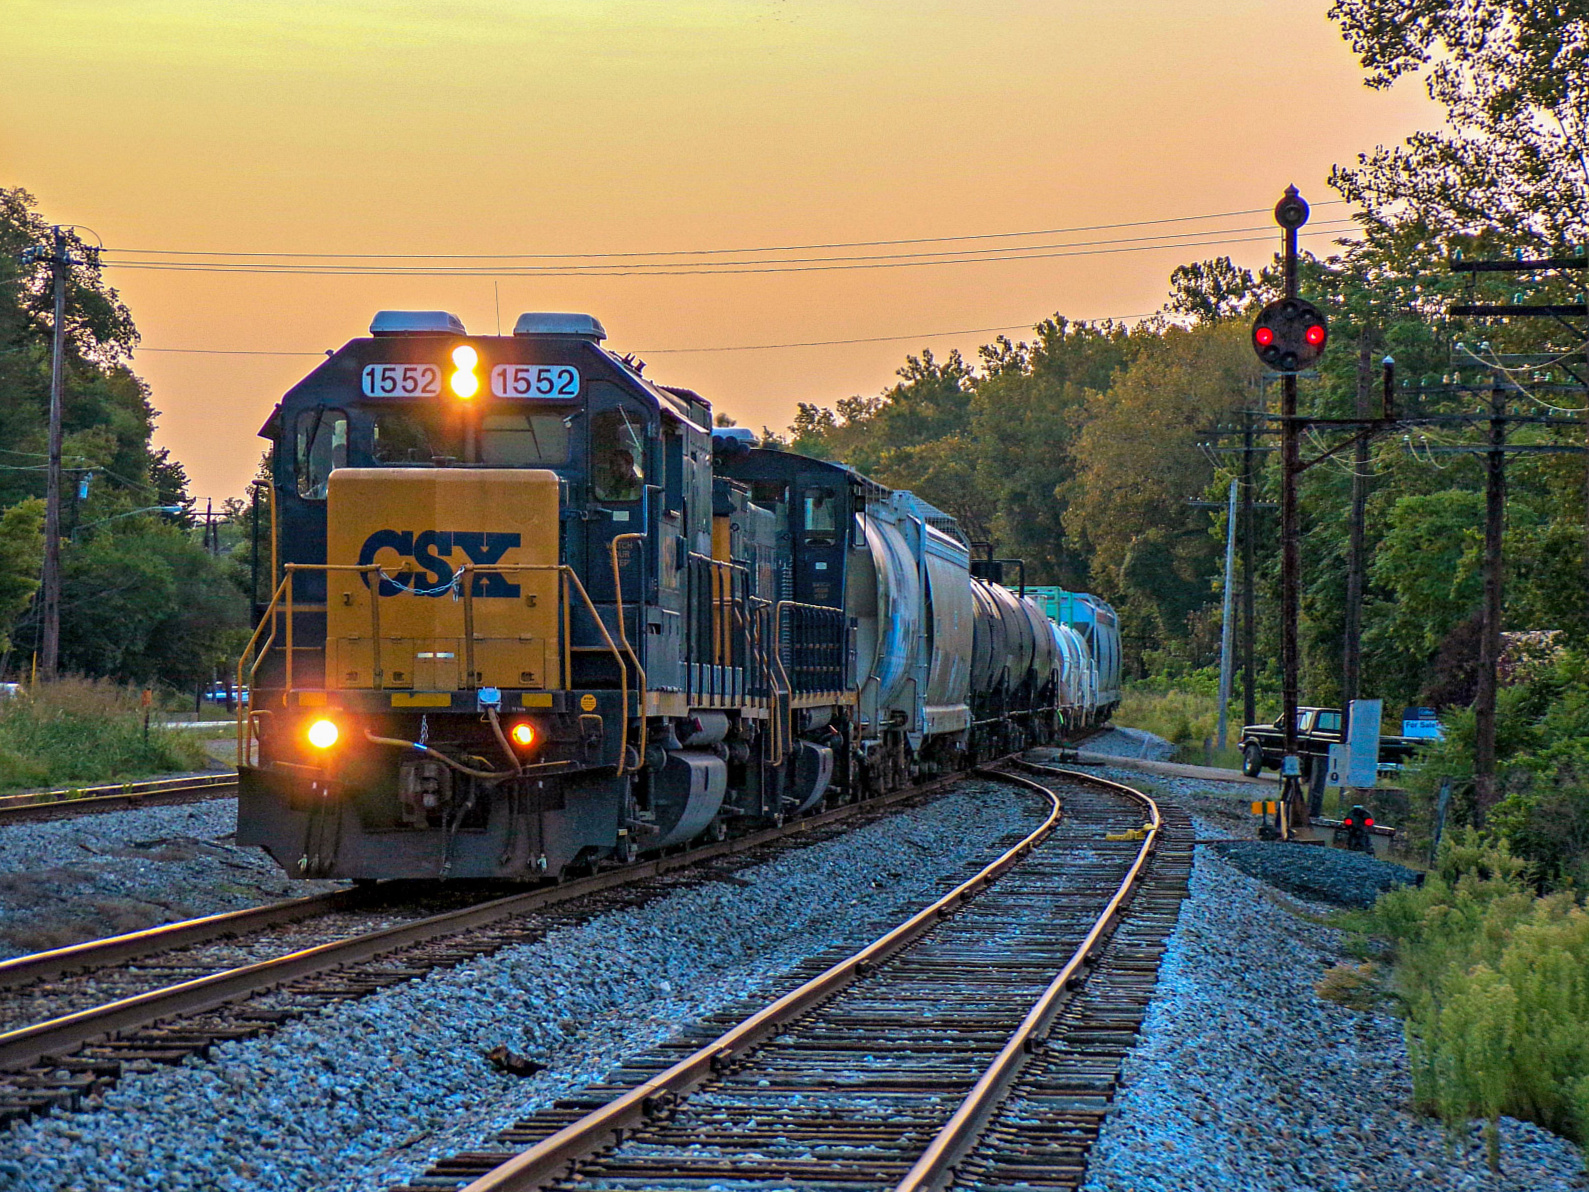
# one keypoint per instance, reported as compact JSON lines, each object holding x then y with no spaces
{"x":322,"y":447}
{"x":514,"y":438}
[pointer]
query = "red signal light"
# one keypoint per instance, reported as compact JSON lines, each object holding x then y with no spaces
{"x":1350,"y":822}
{"x":1264,"y":336}
{"x":1369,"y":822}
{"x":1314,"y":334}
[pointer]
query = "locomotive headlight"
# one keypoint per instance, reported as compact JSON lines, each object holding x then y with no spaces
{"x":523,"y":734}
{"x":463,"y":381}
{"x":323,"y":734}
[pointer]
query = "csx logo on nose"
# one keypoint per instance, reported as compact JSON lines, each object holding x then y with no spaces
{"x":431,"y":549}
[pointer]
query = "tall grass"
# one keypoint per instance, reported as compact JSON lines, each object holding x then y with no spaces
{"x":79,"y":731}
{"x":1185,"y":712}
{"x":1495,"y":982}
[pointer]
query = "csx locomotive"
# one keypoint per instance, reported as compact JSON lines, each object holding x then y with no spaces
{"x":530,"y":614}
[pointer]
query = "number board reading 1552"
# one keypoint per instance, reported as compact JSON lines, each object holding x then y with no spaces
{"x":401,"y":380}
{"x":535,"y":380}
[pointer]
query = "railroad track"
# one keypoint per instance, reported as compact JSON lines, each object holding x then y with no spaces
{"x":976,"y":1045}
{"x":68,"y":803}
{"x":161,"y":995}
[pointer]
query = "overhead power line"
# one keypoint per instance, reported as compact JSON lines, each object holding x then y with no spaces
{"x":701,"y":252}
{"x":874,"y":339}
{"x":704,"y":269}
{"x":814,"y":343}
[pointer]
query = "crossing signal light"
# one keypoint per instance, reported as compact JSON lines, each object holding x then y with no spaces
{"x":1290,"y":335}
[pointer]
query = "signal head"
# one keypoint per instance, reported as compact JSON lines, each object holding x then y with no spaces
{"x":1289,"y":335}
{"x":1292,"y":209}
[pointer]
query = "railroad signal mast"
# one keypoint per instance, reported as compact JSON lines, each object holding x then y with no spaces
{"x":1289,"y":335}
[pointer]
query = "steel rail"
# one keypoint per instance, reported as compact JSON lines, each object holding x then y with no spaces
{"x":26,"y":1046}
{"x":935,"y":1169}
{"x":119,"y":949}
{"x":117,"y":796}
{"x":554,"y":1157}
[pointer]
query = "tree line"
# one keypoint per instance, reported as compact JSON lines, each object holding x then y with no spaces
{"x":142,"y":600}
{"x":1088,"y":449}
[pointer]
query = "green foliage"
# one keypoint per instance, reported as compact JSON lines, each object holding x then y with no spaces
{"x":1427,"y":565}
{"x":1511,"y":76}
{"x":140,"y":601}
{"x":21,"y":555}
{"x":146,"y":604}
{"x":81,"y":732}
{"x":1495,"y":983}
{"x":1208,"y":291}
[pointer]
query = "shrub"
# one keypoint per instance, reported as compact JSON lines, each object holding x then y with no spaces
{"x":1495,"y":982}
{"x":81,"y":731}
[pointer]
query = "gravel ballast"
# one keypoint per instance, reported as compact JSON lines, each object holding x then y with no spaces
{"x":367,"y":1093}
{"x":64,"y":881}
{"x":1322,"y":874}
{"x":1245,"y":1081}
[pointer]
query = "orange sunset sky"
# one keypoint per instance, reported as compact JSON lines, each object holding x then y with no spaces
{"x":621,"y":126}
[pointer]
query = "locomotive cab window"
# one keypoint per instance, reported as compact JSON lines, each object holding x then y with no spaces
{"x":524,"y":440}
{"x":822,"y":516}
{"x":617,"y":456}
{"x":411,"y":436}
{"x":322,"y":447}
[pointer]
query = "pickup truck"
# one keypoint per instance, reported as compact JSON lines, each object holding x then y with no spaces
{"x":1263,"y":745}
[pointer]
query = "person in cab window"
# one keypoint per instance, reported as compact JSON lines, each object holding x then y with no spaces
{"x":617,"y":479}
{"x":821,"y":520}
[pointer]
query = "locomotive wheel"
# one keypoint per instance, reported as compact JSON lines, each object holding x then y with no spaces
{"x":1252,"y":759}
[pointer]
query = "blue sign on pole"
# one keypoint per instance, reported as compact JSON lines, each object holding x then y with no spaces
{"x":1362,"y":743}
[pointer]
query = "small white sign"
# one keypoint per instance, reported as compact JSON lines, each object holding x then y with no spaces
{"x":1337,"y":766}
{"x":401,"y":380}
{"x":535,"y":380}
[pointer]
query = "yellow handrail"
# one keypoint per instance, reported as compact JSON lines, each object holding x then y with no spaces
{"x":565,"y":573}
{"x":623,"y":635}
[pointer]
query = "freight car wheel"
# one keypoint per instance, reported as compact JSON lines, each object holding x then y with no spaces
{"x":1252,"y":759}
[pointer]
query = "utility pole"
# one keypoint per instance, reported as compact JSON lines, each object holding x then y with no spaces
{"x":1490,"y":633}
{"x":1351,"y":646}
{"x":1226,"y":629}
{"x":1249,"y":696}
{"x":50,"y":647}
{"x":1495,"y":500}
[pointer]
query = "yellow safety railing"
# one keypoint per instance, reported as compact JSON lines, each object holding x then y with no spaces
{"x":255,"y":652}
{"x":623,"y":632}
